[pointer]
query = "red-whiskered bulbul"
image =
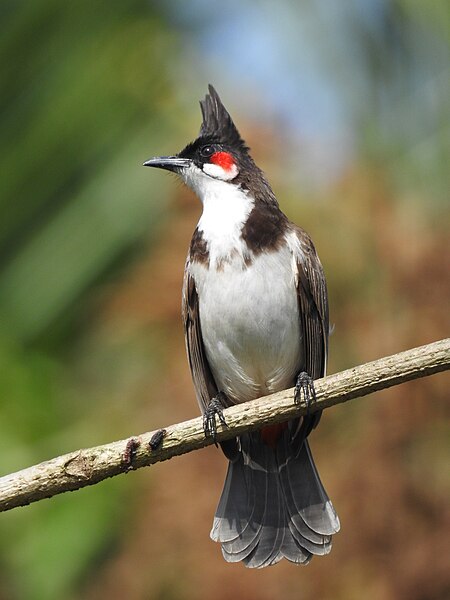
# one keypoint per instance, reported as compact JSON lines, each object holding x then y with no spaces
{"x":255,"y":313}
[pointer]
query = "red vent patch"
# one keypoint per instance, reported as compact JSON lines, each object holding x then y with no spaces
{"x":272,"y":433}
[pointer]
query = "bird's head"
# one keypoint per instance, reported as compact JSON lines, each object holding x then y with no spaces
{"x":219,"y":152}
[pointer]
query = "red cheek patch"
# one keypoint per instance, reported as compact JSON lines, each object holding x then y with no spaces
{"x":223,"y":160}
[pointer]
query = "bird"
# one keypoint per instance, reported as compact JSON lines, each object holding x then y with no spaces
{"x":256,"y":321}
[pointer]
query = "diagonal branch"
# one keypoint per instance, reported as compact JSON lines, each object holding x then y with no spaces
{"x":89,"y":466}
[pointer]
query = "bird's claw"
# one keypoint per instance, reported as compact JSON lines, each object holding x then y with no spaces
{"x":214,"y":408}
{"x":305,"y":387}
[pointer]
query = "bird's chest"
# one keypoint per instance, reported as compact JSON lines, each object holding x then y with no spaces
{"x":250,"y":324}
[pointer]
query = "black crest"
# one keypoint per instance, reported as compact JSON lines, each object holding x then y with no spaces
{"x":217,"y":122}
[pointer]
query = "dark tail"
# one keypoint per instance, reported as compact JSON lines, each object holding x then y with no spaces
{"x":273,"y":504}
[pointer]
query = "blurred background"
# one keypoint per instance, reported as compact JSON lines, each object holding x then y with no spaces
{"x":346,"y":107}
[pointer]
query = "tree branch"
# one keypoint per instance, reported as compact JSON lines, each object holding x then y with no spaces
{"x":89,"y":466}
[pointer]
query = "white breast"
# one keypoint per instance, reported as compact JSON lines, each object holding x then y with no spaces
{"x":248,"y":312}
{"x":250,"y":324}
{"x":226,"y":208}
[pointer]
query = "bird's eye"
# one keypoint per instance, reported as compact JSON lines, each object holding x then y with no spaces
{"x":207,"y":151}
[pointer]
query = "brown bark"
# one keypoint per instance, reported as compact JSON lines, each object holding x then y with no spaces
{"x":89,"y":466}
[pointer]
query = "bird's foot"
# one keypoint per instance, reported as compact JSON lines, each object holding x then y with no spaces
{"x":213,"y":410}
{"x":305,"y":387}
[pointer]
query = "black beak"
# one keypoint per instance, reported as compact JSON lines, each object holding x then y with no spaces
{"x":170,"y":163}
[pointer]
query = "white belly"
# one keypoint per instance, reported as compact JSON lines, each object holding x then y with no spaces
{"x":250,"y":324}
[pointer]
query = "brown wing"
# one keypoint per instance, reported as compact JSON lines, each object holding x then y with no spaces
{"x":314,"y":319}
{"x":313,"y":307}
{"x":205,"y":386}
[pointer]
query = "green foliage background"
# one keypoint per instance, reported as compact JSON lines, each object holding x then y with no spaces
{"x":91,"y":259}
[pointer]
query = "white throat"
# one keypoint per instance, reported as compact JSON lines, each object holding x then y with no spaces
{"x":226,"y":208}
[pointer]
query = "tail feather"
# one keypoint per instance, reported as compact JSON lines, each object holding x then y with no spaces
{"x":272,"y":531}
{"x":240,"y":551}
{"x":244,"y":505}
{"x":319,"y":548}
{"x":238,"y":507}
{"x":307,"y":538}
{"x":273,"y":505}
{"x":311,"y":502}
{"x":240,"y":546}
{"x":295,"y":552}
{"x":303,"y":533}
{"x":294,"y":497}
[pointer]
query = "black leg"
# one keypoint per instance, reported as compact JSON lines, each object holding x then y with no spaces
{"x":214,"y":408}
{"x":304,"y":387}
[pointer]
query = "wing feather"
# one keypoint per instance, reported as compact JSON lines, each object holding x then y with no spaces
{"x":313,"y":306}
{"x":313,"y":312}
{"x":205,"y":386}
